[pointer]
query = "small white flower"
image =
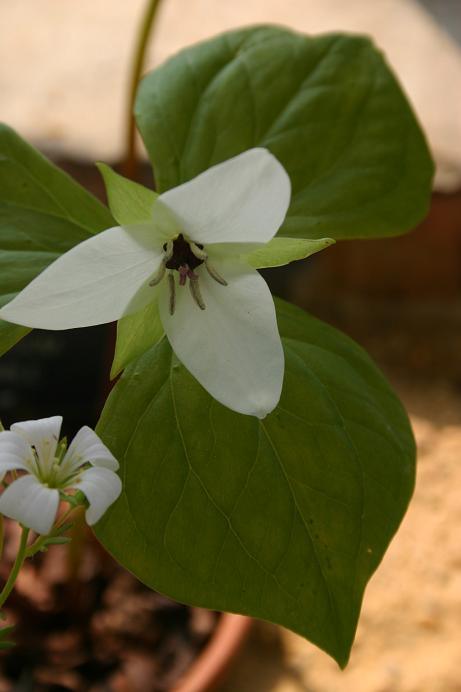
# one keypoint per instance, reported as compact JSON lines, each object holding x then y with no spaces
{"x":33,"y":498}
{"x":223,"y":327}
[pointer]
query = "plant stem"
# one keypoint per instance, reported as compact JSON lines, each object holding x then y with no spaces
{"x":139,"y":56}
{"x":2,"y":535}
{"x":41,"y":541}
{"x":20,"y":557}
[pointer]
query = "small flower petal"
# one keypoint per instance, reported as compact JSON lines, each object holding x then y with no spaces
{"x":32,"y":504}
{"x":15,"y":453}
{"x":101,"y":488}
{"x":93,"y":283}
{"x":86,"y":447}
{"x":43,"y":434}
{"x":244,"y":199}
{"x":232,"y":347}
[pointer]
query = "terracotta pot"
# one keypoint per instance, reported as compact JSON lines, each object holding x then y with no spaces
{"x":211,"y":666}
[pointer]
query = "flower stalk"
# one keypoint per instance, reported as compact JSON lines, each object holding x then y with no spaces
{"x":20,"y":557}
{"x":139,"y":58}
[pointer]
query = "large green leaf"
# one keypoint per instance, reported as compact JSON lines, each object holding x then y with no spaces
{"x":284,"y":519}
{"x":328,"y":107}
{"x":43,"y":213}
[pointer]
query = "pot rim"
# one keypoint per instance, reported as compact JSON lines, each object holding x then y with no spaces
{"x":211,"y":665}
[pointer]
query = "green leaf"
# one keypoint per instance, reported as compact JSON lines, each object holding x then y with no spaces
{"x":280,"y":251}
{"x":57,"y":540}
{"x":10,"y":334}
{"x":129,"y":202}
{"x":7,"y":644}
{"x":284,"y":519}
{"x":328,"y":107}
{"x":43,"y":213}
{"x":5,"y":632}
{"x":135,"y":335}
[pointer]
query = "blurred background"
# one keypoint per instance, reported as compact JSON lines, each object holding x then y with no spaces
{"x":64,"y":69}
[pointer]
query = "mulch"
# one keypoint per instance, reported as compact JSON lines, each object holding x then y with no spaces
{"x":83,"y":623}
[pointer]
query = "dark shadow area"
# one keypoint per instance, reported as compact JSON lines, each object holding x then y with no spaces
{"x":50,"y":373}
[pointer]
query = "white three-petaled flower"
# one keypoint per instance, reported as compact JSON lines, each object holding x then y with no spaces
{"x":223,"y":327}
{"x":33,"y":498}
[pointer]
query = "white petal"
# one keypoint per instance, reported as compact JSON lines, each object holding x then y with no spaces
{"x":43,"y":434}
{"x":15,"y":453}
{"x":244,"y":199}
{"x":86,"y":446}
{"x":93,"y":283}
{"x":101,"y":488}
{"x":232,"y":347}
{"x":28,"y":501}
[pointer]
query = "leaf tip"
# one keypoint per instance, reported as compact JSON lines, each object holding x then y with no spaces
{"x":115,"y":370}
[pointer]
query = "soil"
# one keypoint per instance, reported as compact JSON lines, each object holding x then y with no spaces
{"x":84,"y":624}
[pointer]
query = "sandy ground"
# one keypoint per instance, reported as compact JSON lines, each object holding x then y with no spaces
{"x":409,"y":635}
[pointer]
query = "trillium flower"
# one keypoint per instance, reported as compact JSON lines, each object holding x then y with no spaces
{"x":33,"y":447}
{"x":191,"y":257}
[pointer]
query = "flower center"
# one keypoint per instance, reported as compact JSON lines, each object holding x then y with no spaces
{"x":184,"y":256}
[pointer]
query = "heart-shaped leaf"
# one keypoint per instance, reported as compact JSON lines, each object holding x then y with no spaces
{"x":328,"y":107}
{"x":284,"y":519}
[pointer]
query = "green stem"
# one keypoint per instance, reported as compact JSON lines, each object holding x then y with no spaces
{"x":20,"y":557}
{"x":2,"y":534}
{"x":41,"y":541}
{"x":139,"y":57}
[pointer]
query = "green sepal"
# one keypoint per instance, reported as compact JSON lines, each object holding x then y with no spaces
{"x":280,"y":251}
{"x":135,"y":334}
{"x":76,"y":500}
{"x":128,"y":201}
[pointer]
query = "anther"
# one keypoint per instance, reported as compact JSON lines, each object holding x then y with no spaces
{"x":159,"y":274}
{"x":197,"y":251}
{"x":169,"y":249}
{"x":214,"y":274}
{"x":196,"y":293}
{"x":172,"y":289}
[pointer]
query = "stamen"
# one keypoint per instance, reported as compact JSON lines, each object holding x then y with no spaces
{"x":158,"y":276}
{"x":196,"y":293}
{"x":197,"y":251}
{"x":169,"y":249}
{"x":214,"y":274}
{"x":172,"y":289}
{"x":160,"y":273}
